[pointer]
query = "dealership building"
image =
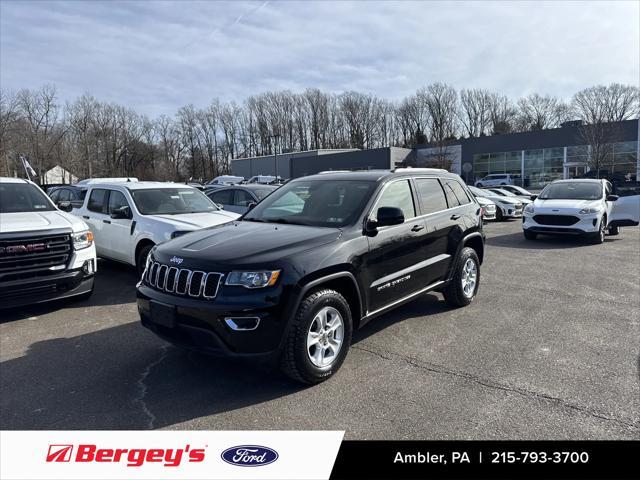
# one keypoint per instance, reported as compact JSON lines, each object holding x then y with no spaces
{"x":535,"y":158}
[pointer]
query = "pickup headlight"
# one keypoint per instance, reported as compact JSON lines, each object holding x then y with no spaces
{"x":589,"y":210}
{"x":82,"y":239}
{"x":260,"y":279}
{"x":529,"y":208}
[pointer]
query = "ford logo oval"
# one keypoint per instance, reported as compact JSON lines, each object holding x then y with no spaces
{"x":249,"y":455}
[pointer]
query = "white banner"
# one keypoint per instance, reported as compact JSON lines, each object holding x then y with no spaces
{"x":156,"y":455}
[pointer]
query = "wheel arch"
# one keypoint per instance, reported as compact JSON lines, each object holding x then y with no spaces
{"x":143,"y":242}
{"x":474,"y":240}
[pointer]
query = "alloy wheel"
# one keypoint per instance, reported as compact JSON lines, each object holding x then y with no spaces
{"x":469,"y":278}
{"x":325,"y":337}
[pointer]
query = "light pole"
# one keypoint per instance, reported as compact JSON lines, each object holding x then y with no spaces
{"x":275,"y":153}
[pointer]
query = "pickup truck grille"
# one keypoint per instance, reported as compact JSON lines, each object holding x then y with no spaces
{"x":564,"y":220}
{"x":33,"y":256}
{"x":182,"y":281}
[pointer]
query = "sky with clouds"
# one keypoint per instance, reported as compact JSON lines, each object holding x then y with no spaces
{"x":156,"y":56}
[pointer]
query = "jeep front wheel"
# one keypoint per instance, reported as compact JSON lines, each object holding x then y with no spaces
{"x":319,"y":337}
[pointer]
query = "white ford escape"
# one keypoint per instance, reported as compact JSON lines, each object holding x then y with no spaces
{"x":573,"y":207}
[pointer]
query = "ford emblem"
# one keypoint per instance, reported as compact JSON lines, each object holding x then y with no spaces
{"x":249,"y":455}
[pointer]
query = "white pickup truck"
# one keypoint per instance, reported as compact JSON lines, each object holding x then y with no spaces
{"x":45,"y":254}
{"x":128,"y":218}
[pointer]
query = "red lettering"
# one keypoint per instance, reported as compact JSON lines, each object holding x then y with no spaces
{"x":85,"y":453}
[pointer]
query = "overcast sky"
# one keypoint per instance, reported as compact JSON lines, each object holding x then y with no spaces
{"x":157,"y":56}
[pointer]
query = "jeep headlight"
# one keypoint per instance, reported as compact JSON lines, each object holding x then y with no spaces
{"x":258,"y":279}
{"x":529,"y":208}
{"x":589,"y":210}
{"x":82,"y":239}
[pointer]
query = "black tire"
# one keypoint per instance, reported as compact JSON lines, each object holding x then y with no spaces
{"x":499,"y":215}
{"x":614,"y":230}
{"x":479,"y":185}
{"x":598,"y":237}
{"x":142,"y":258}
{"x":454,"y":294}
{"x":530,"y":235}
{"x":295,"y":361}
{"x":503,"y":184}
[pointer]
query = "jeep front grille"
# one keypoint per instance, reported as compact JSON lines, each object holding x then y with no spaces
{"x":182,"y":281}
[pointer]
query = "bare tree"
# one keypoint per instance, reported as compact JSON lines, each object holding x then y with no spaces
{"x":502,"y":114}
{"x":475,"y":111}
{"x":9,"y":117}
{"x":612,"y":103}
{"x":537,"y":112}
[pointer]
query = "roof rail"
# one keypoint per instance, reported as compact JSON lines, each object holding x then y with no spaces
{"x":425,"y":170}
{"x":324,"y":172}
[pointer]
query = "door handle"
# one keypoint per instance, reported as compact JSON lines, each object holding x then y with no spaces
{"x":86,"y":217}
{"x":416,"y":228}
{"x":455,"y":216}
{"x":106,"y":221}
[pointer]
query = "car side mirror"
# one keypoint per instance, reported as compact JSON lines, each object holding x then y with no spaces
{"x":123,"y":212}
{"x":612,"y":198}
{"x":387,"y":216}
{"x":65,"y":206}
{"x":533,"y":197}
{"x":251,"y":206}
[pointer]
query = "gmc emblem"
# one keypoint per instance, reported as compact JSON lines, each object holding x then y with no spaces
{"x":31,"y":247}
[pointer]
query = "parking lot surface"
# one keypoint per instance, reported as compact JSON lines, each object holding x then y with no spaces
{"x":548,"y":350}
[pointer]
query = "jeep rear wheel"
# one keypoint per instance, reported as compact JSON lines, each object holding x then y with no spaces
{"x":319,"y":337}
{"x":465,"y":281}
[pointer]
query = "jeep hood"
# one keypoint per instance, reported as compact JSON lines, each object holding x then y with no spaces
{"x":244,"y":242}
{"x":35,"y":221}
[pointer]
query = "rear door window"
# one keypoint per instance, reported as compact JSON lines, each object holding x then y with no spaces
{"x":224,"y":197}
{"x":116,"y":200}
{"x":431,"y":195}
{"x":97,"y":200}
{"x":242,"y":198}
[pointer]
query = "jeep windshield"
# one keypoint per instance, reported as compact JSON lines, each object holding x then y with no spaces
{"x":23,"y":197}
{"x":572,"y":191}
{"x":317,"y":203}
{"x":171,"y":201}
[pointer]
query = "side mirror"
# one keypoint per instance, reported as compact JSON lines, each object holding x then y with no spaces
{"x":250,"y":206}
{"x":65,"y":206}
{"x":122,"y":213}
{"x":612,"y":198}
{"x":389,"y":216}
{"x":533,"y":197}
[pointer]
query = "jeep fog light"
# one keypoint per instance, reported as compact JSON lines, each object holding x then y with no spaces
{"x":242,"y":323}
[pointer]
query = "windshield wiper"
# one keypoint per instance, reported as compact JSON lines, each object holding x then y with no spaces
{"x":253,"y":220}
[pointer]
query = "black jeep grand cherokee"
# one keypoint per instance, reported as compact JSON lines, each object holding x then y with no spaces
{"x":314,"y":260}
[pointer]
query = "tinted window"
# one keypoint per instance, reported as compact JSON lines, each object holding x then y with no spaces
{"x":223,"y":197}
{"x":64,"y":196}
{"x":242,"y":198}
{"x":321,"y":203}
{"x":461,"y":197}
{"x":117,"y":200}
{"x":96,"y":200}
{"x":55,"y":195}
{"x":431,"y":195}
{"x":22,"y":197}
{"x":398,"y":194}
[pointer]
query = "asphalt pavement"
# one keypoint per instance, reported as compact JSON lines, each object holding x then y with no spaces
{"x":548,"y":350}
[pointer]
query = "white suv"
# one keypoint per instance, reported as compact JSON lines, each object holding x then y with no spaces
{"x":495,"y":179}
{"x":45,"y":253}
{"x":128,"y":218}
{"x":573,"y":207}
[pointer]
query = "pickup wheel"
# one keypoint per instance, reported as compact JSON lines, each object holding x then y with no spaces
{"x":465,"y":281}
{"x":141,"y":261}
{"x":318,"y":338}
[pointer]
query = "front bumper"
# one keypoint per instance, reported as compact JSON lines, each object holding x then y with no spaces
{"x":201,"y":325}
{"x":511,"y":212}
{"x":585,"y":225}
{"x":76,"y":279}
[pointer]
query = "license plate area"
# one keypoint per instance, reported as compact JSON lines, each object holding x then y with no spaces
{"x":163,"y":314}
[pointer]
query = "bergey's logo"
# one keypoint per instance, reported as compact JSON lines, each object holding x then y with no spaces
{"x":249,"y":455}
{"x":59,"y":453}
{"x":177,"y":260}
